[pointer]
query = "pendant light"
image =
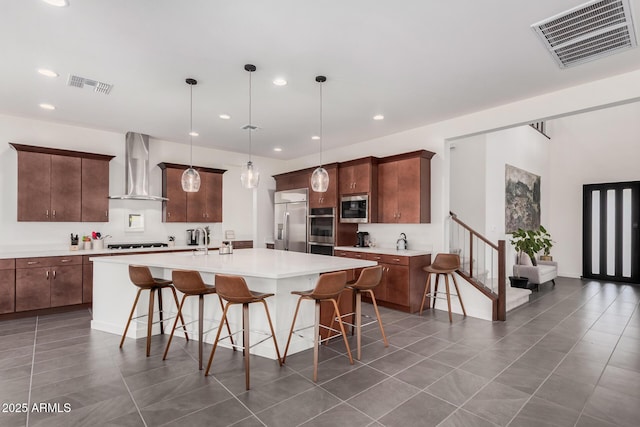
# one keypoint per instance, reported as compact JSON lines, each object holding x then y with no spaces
{"x":250,"y":176}
{"x":191,"y":177}
{"x":320,"y":177}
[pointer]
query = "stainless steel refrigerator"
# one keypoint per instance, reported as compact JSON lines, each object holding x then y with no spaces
{"x":290,"y":233}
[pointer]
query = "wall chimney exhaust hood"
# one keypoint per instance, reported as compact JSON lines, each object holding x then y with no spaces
{"x":137,"y":169}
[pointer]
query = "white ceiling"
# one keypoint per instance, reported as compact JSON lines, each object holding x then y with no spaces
{"x":415,"y":61}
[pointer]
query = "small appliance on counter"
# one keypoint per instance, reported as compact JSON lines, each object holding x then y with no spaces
{"x":226,"y":248}
{"x":401,"y":243}
{"x":193,"y":237}
{"x":363,"y":239}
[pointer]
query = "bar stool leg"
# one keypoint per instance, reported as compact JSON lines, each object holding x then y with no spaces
{"x":200,"y":328}
{"x":358,"y":316}
{"x":160,"y":310}
{"x":179,"y":315}
{"x":316,"y":340}
{"x":446,"y":280}
{"x":133,"y":309}
{"x":427,"y":290}
{"x":453,"y":276}
{"x":215,"y":342}
{"x":344,"y":334}
{"x":273,"y":334}
{"x":245,"y":341}
{"x":293,"y":324}
{"x":227,"y":322}
{"x":150,"y":321}
{"x":175,"y":325}
{"x":375,"y":307}
{"x":435,"y":291}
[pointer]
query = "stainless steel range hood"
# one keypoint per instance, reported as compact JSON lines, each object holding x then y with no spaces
{"x":137,"y":169}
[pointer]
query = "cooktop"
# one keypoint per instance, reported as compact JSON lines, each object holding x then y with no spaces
{"x":136,"y":245}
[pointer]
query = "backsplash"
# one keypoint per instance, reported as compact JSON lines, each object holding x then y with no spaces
{"x":419,"y":236}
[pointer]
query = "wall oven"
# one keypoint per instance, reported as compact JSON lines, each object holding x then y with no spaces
{"x":321,"y":231}
{"x":354,"y":209}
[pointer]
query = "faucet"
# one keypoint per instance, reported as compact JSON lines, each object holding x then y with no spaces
{"x":204,"y":240}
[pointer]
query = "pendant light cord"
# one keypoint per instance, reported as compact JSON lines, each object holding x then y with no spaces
{"x":250,"y":128}
{"x":320,"y":124}
{"x":191,"y":126}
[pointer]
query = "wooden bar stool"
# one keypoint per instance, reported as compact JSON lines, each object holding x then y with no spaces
{"x":369,"y":278}
{"x":444,"y":264}
{"x":140,"y":276}
{"x":190,"y":284}
{"x":234,"y":290}
{"x":328,"y":288}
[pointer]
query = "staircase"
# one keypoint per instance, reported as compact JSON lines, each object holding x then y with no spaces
{"x":483,"y":267}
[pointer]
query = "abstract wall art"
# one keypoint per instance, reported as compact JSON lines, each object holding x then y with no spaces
{"x":522,"y":199}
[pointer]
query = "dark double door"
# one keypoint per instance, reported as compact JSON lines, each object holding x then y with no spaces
{"x":611,"y":237}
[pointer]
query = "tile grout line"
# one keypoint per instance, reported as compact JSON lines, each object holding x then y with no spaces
{"x":132,"y":398}
{"x":33,"y":362}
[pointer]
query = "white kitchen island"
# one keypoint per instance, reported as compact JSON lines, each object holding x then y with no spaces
{"x":265,"y":270}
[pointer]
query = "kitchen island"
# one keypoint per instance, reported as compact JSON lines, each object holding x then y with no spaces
{"x":265,"y":270}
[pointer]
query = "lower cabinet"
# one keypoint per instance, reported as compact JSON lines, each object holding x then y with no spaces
{"x":48,"y":282}
{"x":7,"y":286}
{"x":403,"y":279}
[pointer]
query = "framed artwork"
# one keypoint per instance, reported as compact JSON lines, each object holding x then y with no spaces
{"x":522,"y":200}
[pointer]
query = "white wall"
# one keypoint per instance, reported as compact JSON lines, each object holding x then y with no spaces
{"x":239,"y":211}
{"x":468,"y":178}
{"x":596,"y":147}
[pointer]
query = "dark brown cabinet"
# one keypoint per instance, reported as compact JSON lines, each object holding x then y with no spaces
{"x":7,"y":286}
{"x":95,"y":190}
{"x":293,"y":180}
{"x":204,"y":205}
{"x":328,"y":199}
{"x":48,"y":282}
{"x":358,"y":176}
{"x":404,"y":192}
{"x":53,"y":185}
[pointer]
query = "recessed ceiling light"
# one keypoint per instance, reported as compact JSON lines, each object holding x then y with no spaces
{"x":378,"y":117}
{"x":278,"y":149}
{"x":280,"y":82}
{"x":47,"y":107}
{"x":194,"y":133}
{"x":47,"y":73}
{"x":224,"y":116}
{"x":57,"y":3}
{"x":315,"y":137}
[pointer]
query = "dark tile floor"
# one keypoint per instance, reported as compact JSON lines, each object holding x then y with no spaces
{"x":569,"y":357}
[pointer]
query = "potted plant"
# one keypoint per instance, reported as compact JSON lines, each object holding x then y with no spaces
{"x":546,"y":243}
{"x":525,"y":242}
{"x":172,"y":241}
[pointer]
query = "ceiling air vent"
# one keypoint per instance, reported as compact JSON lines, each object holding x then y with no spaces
{"x":587,"y":32}
{"x":81,"y":82}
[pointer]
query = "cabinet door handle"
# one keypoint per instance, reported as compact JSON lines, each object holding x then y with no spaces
{"x":47,"y":213}
{"x":54,"y":274}
{"x":106,"y":214}
{"x":168,"y":214}
{"x":396,"y":259}
{"x":203,"y":215}
{"x":54,"y":213}
{"x":47,"y":274}
{"x":65,"y":260}
{"x":32,"y":262}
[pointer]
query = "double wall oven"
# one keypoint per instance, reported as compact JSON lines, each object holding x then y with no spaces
{"x":321,"y":229}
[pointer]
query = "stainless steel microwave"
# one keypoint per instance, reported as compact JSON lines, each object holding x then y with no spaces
{"x":354,"y":209}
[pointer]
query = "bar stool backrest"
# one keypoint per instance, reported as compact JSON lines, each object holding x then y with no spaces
{"x":369,"y":277}
{"x":446,"y":262}
{"x":188,"y":281}
{"x":330,"y":285}
{"x":141,"y":276}
{"x":233,"y":288}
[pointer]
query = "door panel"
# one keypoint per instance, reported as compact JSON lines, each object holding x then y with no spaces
{"x":297,"y":227}
{"x":95,"y":190}
{"x":611,"y":239}
{"x":66,"y":188}
{"x":34,"y":186}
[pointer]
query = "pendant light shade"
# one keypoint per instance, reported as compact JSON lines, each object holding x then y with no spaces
{"x":250,"y":176}
{"x":320,"y":176}
{"x":191,"y":177}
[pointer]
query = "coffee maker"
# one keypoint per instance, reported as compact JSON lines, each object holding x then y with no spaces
{"x":193,"y":237}
{"x":363,"y":239}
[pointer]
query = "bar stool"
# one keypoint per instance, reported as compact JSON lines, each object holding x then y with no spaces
{"x":140,"y":276}
{"x":328,"y":288}
{"x":190,"y":283}
{"x":234,"y":290}
{"x":369,"y":278}
{"x":444,"y":264}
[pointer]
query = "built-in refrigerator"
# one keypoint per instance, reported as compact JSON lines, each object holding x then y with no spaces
{"x":290,"y":233}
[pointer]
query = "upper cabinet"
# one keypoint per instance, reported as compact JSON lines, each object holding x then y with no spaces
{"x":202,"y":206}
{"x":359,"y":176}
{"x":404,"y":194}
{"x":62,"y":185}
{"x":293,"y":180}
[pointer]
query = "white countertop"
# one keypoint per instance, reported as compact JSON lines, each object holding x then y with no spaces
{"x":29,"y":253}
{"x":383,"y":251}
{"x":264,"y":263}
